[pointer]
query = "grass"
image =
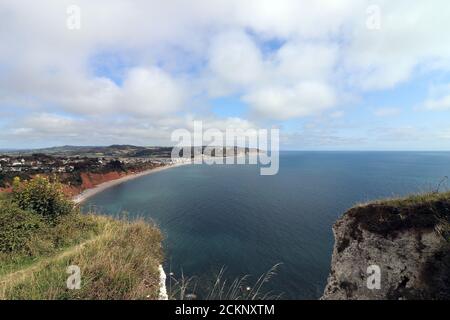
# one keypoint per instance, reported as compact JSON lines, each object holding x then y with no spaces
{"x":187,"y":288}
{"x":42,"y":234}
{"x":47,"y":241}
{"x":118,"y":260}
{"x":4,"y":196}
{"x":412,"y":200}
{"x":415,"y":212}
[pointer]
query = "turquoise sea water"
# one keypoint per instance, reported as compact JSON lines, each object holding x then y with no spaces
{"x":214,"y":216}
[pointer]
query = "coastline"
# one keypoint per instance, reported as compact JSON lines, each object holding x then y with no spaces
{"x":86,"y":194}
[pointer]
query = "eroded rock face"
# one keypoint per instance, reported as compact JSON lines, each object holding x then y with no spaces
{"x":405,"y":242}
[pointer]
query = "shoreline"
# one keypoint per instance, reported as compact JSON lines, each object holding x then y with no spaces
{"x":88,"y":193}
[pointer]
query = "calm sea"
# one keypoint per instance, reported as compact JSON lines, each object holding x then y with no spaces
{"x":214,"y":216}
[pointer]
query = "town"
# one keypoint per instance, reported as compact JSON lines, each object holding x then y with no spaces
{"x":42,"y":163}
{"x":68,"y":163}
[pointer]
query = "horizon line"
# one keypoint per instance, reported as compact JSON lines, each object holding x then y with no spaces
{"x":281,"y":150}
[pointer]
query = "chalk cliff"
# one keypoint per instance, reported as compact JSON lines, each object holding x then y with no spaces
{"x":407,"y":240}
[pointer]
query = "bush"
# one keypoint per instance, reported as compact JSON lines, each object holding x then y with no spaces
{"x":17,"y":226}
{"x":119,"y":260}
{"x":41,"y":196}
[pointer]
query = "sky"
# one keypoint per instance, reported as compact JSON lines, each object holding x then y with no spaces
{"x":331,"y":75}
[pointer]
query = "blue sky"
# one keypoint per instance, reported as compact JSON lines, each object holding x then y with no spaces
{"x":347,"y":75}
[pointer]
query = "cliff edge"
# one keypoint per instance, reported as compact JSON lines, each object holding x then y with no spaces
{"x":395,"y":249}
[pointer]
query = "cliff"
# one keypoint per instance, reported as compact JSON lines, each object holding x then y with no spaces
{"x":85,"y":180}
{"x":90,"y":180}
{"x":396,"y":249}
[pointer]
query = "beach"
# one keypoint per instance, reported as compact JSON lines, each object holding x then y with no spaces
{"x":103,"y":186}
{"x":86,"y":194}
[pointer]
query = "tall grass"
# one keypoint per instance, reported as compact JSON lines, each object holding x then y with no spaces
{"x":120,"y":262}
{"x":187,"y":288}
{"x":410,"y":200}
{"x":42,"y":233}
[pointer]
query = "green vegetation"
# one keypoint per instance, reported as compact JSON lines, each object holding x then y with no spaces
{"x":42,"y":233}
{"x":414,"y":199}
{"x":220,"y":288}
{"x":416,"y":212}
{"x":17,"y":226}
{"x":41,"y":197}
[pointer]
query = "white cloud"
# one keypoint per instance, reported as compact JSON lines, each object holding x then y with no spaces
{"x":145,"y":92}
{"x":151,"y":92}
{"x":235,"y":60}
{"x":411,"y":36}
{"x":282,"y":103}
{"x":445,"y":135}
{"x":438,"y":98}
{"x":401,"y":133}
{"x":291,"y":83}
{"x":442,"y":103}
{"x":295,"y":18}
{"x":37,"y":128}
{"x":49,"y":123}
{"x":386,"y":112}
{"x":305,"y":61}
{"x":337,"y":114}
{"x":286,"y":58}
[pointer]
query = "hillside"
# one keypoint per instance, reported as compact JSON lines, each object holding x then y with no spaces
{"x":118,"y":151}
{"x":88,"y":151}
{"x":408,"y":239}
{"x":40,"y":239}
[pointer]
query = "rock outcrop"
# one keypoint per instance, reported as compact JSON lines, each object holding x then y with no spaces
{"x":407,"y":241}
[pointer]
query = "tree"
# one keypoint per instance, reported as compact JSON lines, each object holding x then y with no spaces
{"x":42,"y":197}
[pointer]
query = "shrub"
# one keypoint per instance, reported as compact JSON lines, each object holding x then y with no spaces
{"x":121,"y":262}
{"x":42,"y":197}
{"x":17,"y":226}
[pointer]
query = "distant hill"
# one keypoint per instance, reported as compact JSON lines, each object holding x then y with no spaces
{"x":89,"y":151}
{"x":114,"y":151}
